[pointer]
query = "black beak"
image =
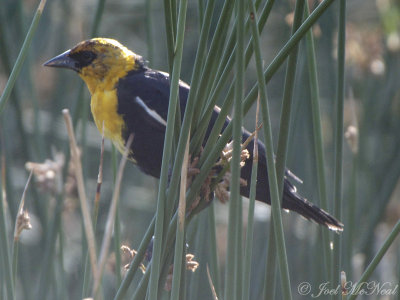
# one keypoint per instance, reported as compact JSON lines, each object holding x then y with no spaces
{"x":62,"y":61}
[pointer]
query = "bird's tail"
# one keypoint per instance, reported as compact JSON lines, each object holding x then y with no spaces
{"x":293,"y":201}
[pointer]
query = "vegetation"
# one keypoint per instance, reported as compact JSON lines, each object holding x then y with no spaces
{"x":325,"y":77}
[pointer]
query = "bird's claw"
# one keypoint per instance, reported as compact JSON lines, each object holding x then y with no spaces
{"x":222,"y":188}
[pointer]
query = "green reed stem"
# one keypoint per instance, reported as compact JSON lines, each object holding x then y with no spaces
{"x":318,"y":140}
{"x":356,"y":291}
{"x":233,"y":282}
{"x":272,"y":172}
{"x":21,"y":56}
{"x":338,"y":168}
{"x":161,"y":209}
{"x":5,"y":250}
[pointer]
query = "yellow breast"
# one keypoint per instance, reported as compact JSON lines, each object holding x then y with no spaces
{"x":101,"y":77}
{"x":104,"y":106}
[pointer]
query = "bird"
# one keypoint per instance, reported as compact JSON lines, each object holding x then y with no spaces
{"x":129,"y":97}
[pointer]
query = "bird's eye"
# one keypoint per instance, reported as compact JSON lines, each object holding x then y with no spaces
{"x":83,"y":58}
{"x":87,"y":57}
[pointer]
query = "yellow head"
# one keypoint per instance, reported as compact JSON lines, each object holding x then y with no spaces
{"x":99,"y":62}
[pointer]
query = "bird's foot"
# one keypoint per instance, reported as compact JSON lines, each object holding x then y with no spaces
{"x":222,"y":188}
{"x":205,"y":193}
{"x":192,"y":170}
{"x":205,"y":190}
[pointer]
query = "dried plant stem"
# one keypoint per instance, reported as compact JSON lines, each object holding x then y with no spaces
{"x":86,"y":279}
{"x":214,"y":293}
{"x":182,"y":191}
{"x":17,"y":231}
{"x":111,"y":217}
{"x":21,"y":206}
{"x":99,"y":180}
{"x":87,"y":221}
{"x":180,"y":229}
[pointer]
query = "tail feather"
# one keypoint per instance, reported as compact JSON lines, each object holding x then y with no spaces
{"x":293,"y":201}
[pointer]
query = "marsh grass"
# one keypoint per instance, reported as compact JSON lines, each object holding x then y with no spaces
{"x":231,"y":65}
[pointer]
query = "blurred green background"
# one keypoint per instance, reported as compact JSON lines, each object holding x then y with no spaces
{"x":32,"y":129}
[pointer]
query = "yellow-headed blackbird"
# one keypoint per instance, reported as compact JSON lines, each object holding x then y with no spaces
{"x":130,"y":98}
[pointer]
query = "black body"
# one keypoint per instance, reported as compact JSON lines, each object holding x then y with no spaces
{"x":152,"y":87}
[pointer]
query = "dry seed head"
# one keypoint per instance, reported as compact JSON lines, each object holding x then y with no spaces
{"x":190,"y":263}
{"x":351,"y":135}
{"x":343,"y":281}
{"x":132,"y":253}
{"x":46,"y":173}
{"x":23,"y":223}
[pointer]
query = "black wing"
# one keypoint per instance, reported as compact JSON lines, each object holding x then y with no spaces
{"x":152,"y":87}
{"x":143,"y":98}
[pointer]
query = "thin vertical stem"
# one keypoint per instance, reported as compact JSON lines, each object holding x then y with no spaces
{"x":190,"y":107}
{"x":111,"y":219}
{"x":338,"y":168}
{"x":270,"y":266}
{"x":250,"y":218}
{"x":252,"y":95}
{"x":161,"y":210}
{"x":134,"y":266}
{"x":214,"y":55}
{"x":272,"y":173}
{"x":180,"y":230}
{"x":86,"y":275}
{"x":88,"y":225}
{"x":117,"y":226}
{"x":21,"y":56}
{"x":97,"y":17}
{"x":375,"y":261}
{"x":318,"y":140}
{"x":82,"y":106}
{"x":149,"y":32}
{"x":213,"y":248}
{"x":233,"y":286}
{"x":170,"y":33}
{"x":20,"y":212}
{"x":284,"y":126}
{"x":224,"y":71}
{"x":5,"y":250}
